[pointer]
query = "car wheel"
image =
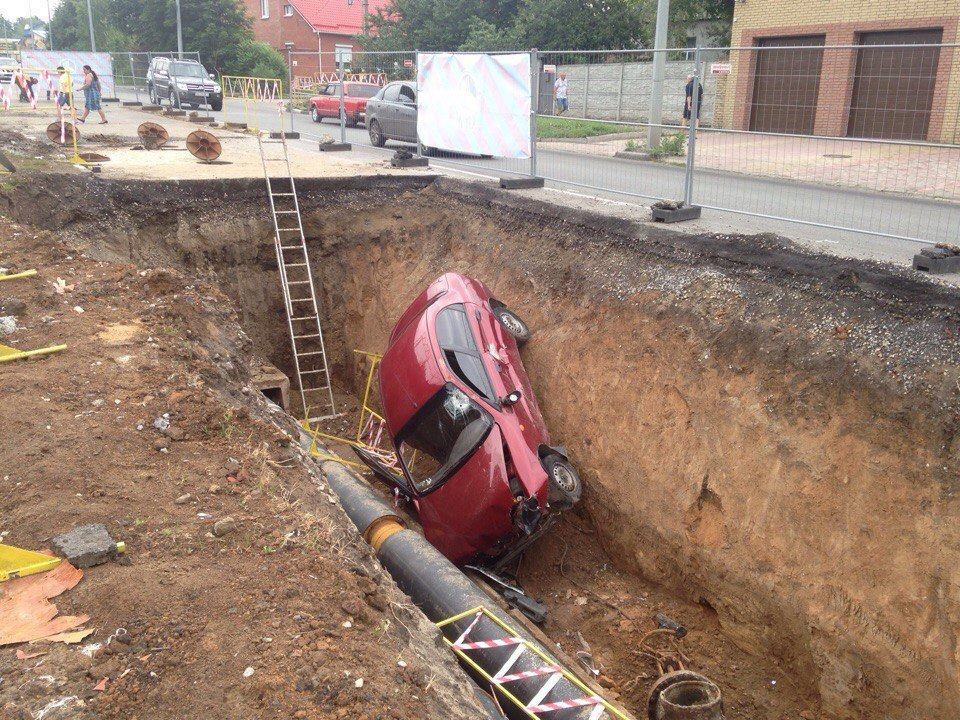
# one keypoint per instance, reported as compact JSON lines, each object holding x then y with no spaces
{"x":376,"y":134}
{"x":315,"y":114}
{"x":175,"y":100}
{"x":154,"y":96}
{"x":353,"y":121}
{"x":512,"y":324}
{"x":194,"y":106}
{"x":216,"y":105}
{"x":563,"y":483}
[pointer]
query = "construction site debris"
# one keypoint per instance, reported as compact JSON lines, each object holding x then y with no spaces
{"x":224,"y":526}
{"x":8,"y":324}
{"x":16,"y":562}
{"x":87,"y":545}
{"x":26,"y":613}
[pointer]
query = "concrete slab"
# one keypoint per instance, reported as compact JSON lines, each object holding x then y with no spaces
{"x":410,"y":162}
{"x":672,"y":215}
{"x":273,"y":383}
{"x":86,"y":546}
{"x":520,"y":183}
{"x":335,"y":147}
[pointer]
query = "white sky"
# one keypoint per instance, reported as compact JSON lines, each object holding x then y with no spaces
{"x":13,"y":9}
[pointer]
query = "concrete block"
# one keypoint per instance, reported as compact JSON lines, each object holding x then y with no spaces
{"x":936,"y":265}
{"x":410,"y":162}
{"x":274,"y":384}
{"x":86,"y":546}
{"x":150,"y":107}
{"x":678,"y":214}
{"x":110,"y":100}
{"x":235,"y":125}
{"x":131,"y":103}
{"x":285,"y":134}
{"x":521,"y":183}
{"x":334,"y":147}
{"x":175,"y":113}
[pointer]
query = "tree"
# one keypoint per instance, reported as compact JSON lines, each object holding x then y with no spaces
{"x":432,"y":25}
{"x":579,"y":25}
{"x":257,"y":59}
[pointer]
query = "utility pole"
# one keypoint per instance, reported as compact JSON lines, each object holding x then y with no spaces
{"x":93,"y":43}
{"x":179,"y":33}
{"x":365,"y":5}
{"x":49,"y":26}
{"x":659,"y":69}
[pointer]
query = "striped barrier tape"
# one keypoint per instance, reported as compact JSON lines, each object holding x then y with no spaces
{"x":566,"y":704}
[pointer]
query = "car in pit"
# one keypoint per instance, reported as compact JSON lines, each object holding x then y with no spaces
{"x":474,"y":454}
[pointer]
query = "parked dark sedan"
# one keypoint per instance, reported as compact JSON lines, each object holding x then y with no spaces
{"x":392,"y":113}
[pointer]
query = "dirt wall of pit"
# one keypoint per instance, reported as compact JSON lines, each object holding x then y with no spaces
{"x":770,"y":432}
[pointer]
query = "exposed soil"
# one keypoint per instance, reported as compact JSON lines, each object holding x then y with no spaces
{"x":281,"y":617}
{"x":768,"y":437}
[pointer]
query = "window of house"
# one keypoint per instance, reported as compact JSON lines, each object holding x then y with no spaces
{"x":288,"y":10}
{"x":264,"y":9}
{"x":343,"y":54}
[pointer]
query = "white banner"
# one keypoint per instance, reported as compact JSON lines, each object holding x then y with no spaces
{"x":101,"y":62}
{"x":474,"y":103}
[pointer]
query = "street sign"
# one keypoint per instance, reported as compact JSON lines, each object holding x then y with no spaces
{"x":408,"y":63}
{"x":719,"y":68}
{"x":550,"y":69}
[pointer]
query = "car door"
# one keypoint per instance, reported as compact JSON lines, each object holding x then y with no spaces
{"x":387,"y":115}
{"x":407,"y":113}
{"x":163,"y":78}
{"x":330,"y":101}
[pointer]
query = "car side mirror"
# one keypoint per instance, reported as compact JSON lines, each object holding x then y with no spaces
{"x":512,"y":398}
{"x":212,"y":76}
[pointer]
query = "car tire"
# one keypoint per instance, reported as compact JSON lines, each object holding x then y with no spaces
{"x":564,"y":486}
{"x":216,"y":105}
{"x":315,"y":114}
{"x":512,"y":324}
{"x":377,"y":138}
{"x":175,"y":100}
{"x":154,"y":95}
{"x":194,"y":106}
{"x":353,"y":121}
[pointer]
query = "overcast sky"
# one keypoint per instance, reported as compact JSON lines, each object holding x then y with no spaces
{"x":13,"y":9}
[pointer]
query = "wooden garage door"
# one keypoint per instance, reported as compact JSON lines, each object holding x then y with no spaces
{"x":893,"y":86}
{"x":786,"y":83}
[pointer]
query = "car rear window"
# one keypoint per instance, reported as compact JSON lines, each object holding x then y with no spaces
{"x":455,"y":337}
{"x":362,"y":91}
{"x":441,"y":437}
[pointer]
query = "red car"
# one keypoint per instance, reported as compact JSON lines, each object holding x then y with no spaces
{"x":355,"y":96}
{"x":474,"y":453}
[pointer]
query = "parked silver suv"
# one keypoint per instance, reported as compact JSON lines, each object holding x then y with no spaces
{"x":182,"y":82}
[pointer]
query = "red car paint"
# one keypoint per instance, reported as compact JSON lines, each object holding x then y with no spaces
{"x":355,"y":96}
{"x":470,"y":514}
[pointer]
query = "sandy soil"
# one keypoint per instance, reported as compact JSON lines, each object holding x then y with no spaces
{"x":291,"y":592}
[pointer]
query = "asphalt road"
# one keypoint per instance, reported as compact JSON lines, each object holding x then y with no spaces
{"x":633,"y":182}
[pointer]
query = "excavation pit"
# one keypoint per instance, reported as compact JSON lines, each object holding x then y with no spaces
{"x":768,"y":437}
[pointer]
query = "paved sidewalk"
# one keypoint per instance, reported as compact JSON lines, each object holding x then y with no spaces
{"x":925,"y":171}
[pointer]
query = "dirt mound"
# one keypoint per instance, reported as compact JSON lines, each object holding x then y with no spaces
{"x":245,"y":592}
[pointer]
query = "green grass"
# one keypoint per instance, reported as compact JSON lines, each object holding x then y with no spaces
{"x":549,"y":128}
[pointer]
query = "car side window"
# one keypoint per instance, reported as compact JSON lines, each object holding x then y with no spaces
{"x":455,"y":338}
{"x":391,"y":93}
{"x":407,"y":94}
{"x":333,"y":90}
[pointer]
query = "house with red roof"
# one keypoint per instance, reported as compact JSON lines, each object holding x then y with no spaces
{"x":321,"y":28}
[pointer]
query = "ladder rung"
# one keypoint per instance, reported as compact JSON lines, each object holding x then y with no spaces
{"x":312,"y":372}
{"x":316,"y":389}
{"x":295,"y":264}
{"x":312,"y":352}
{"x":285,"y":212}
{"x":300,"y":299}
{"x":303,"y":337}
{"x":305,"y":317}
{"x":298,"y":282}
{"x":296,"y":229}
{"x":283,"y":194}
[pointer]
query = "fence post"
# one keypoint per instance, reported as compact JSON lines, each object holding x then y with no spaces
{"x":133,"y":78}
{"x":623,"y":65}
{"x":289,"y":90}
{"x":416,"y":75}
{"x":343,"y":109}
{"x":586,"y":91}
{"x":534,"y":107}
{"x":692,"y":129}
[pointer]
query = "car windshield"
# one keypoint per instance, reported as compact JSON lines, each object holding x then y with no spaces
{"x":362,"y":91}
{"x":188,"y":70}
{"x":441,"y":437}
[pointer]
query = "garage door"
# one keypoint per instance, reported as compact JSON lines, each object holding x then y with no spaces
{"x":893,"y":86}
{"x":786,"y":83}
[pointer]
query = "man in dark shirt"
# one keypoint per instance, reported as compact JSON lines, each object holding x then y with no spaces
{"x":688,"y":102}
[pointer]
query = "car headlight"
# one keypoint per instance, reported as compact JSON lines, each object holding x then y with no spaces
{"x":181,"y":85}
{"x":217,"y":90}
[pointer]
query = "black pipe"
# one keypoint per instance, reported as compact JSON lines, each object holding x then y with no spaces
{"x":442,"y":591}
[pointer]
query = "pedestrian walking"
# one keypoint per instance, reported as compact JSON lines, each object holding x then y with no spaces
{"x":64,"y":88}
{"x":91,"y":95}
{"x":688,"y":102}
{"x":560,"y":94}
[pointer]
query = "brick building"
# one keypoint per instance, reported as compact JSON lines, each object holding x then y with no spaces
{"x":319,"y":27}
{"x":870,"y":86}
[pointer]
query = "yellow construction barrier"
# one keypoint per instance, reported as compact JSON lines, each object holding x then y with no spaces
{"x":371,"y":427}
{"x":19,"y":275}
{"x":9,"y":354}
{"x":251,"y":90}
{"x":16,"y":562}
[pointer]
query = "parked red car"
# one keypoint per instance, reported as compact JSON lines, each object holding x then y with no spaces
{"x":355,"y":96}
{"x":474,"y":452}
